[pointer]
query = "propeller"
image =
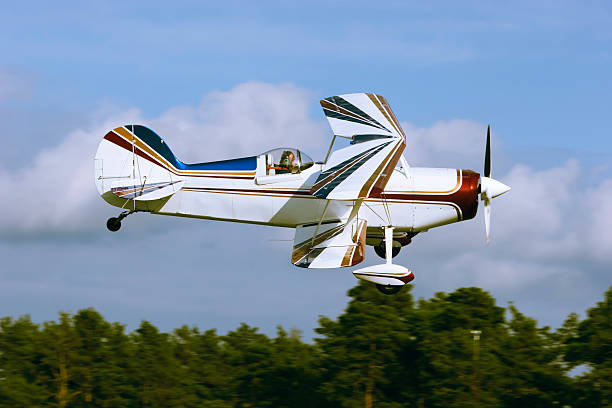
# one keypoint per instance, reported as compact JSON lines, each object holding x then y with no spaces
{"x":489,"y":187}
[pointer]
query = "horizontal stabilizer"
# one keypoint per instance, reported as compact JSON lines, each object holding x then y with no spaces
{"x":147,"y":191}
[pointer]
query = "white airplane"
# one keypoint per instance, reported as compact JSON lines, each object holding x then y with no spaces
{"x":361,"y":194}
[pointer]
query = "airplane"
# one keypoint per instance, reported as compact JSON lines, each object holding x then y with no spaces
{"x":362,"y":193}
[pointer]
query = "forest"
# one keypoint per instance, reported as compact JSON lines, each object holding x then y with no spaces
{"x":456,"y":349}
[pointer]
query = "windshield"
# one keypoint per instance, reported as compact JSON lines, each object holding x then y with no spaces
{"x":286,"y":161}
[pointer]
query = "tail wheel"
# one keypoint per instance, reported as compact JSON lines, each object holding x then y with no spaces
{"x":388,"y":289}
{"x":381,"y":250}
{"x":113,"y":224}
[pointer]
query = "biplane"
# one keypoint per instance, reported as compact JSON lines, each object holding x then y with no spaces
{"x":362,"y":193}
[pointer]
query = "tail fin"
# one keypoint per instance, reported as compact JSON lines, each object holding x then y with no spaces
{"x":134,"y":163}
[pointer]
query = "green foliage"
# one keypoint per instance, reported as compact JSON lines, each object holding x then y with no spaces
{"x":383,"y":351}
{"x":590,"y":344}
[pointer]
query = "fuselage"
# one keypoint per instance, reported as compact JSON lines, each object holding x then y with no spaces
{"x":259,"y":190}
{"x":415,"y":198}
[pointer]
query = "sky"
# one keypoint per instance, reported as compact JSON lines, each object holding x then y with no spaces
{"x":223,"y":79}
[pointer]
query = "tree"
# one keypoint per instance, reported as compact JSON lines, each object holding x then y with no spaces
{"x":58,"y":346}
{"x":362,"y":346}
{"x":448,"y":373}
{"x":20,"y":359}
{"x":154,"y":371}
{"x":530,"y":355}
{"x":204,"y":374}
{"x":250,"y":355}
{"x":591,"y":345}
{"x":293,"y":377}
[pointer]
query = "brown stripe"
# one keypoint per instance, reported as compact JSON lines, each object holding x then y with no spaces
{"x":388,"y":108}
{"x":385,"y":175}
{"x":466,"y":198}
{"x":250,"y":190}
{"x":409,"y":277}
{"x":360,"y":239}
{"x":452,"y":190}
{"x":325,"y":234}
{"x":346,"y":259}
{"x":302,"y":249}
{"x":365,"y":190}
{"x":337,"y":173}
{"x":144,"y":147}
{"x":330,"y":106}
{"x":119,"y":141}
{"x":382,"y":110}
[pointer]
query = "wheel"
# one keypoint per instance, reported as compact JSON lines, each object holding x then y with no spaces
{"x":380,"y":250}
{"x":113,"y":224}
{"x":388,"y":289}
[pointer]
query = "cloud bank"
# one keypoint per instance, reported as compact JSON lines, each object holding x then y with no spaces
{"x":547,"y":224}
{"x":55,"y":193}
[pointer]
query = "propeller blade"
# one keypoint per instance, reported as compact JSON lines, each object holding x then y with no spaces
{"x":487,"y":164}
{"x":487,"y":215}
{"x":490,"y":188}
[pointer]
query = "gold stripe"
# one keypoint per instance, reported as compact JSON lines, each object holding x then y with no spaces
{"x":126,"y":134}
{"x":359,"y":239}
{"x":386,"y":273}
{"x":382,"y":110}
{"x":333,"y":107}
{"x":388,"y":108}
{"x":454,"y":189}
{"x":251,"y":194}
{"x":382,"y":181}
{"x":365,"y":190}
{"x":346,"y":259}
{"x":304,"y":248}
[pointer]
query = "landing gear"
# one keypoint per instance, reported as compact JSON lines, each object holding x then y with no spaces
{"x":381,"y":250}
{"x":388,"y":277}
{"x":402,"y":239}
{"x":388,"y":289}
{"x":114,"y":223}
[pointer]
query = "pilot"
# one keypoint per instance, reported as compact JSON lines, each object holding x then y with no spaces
{"x":287,"y":161}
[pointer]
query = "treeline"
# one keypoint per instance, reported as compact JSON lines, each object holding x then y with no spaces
{"x":383,"y":351}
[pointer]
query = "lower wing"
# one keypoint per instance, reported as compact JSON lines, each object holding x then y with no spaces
{"x":333,"y":244}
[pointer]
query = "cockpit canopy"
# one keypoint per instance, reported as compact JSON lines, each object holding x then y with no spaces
{"x":286,"y":160}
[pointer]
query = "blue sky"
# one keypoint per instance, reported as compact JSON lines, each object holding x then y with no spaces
{"x":247,"y":75}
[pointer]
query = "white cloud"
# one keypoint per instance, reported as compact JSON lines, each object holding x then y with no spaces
{"x":547,"y":221}
{"x":56,"y":194}
{"x":597,"y":227}
{"x":451,"y":143}
{"x":550,"y":227}
{"x":550,"y":244}
{"x":249,"y":119}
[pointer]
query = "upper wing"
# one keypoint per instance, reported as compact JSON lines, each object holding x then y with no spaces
{"x":362,"y":169}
